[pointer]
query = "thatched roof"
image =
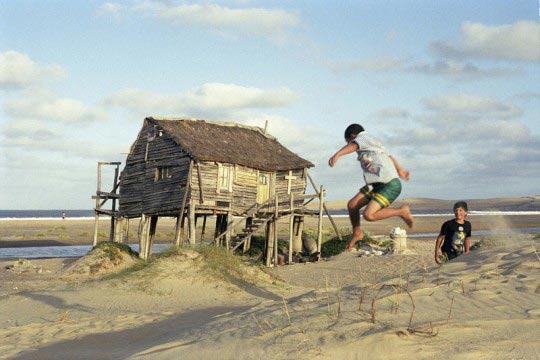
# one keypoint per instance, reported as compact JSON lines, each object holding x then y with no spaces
{"x":230,"y":143}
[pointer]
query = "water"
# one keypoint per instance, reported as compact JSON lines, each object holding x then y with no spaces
{"x":37,"y":252}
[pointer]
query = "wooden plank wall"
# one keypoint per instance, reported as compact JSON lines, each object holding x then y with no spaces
{"x":139,"y":190}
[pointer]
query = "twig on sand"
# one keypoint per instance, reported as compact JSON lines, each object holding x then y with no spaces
{"x":258,"y":324}
{"x":64,"y":318}
{"x":286,"y":310}
{"x":450,"y":312}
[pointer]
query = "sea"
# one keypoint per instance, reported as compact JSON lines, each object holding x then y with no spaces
{"x":80,"y":250}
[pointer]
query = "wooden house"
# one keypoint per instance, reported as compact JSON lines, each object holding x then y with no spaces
{"x":187,"y":168}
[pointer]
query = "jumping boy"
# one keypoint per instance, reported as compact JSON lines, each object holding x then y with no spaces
{"x":455,"y":235}
{"x":381,"y":173}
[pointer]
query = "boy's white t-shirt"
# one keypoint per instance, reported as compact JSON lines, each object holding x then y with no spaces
{"x":374,"y":159}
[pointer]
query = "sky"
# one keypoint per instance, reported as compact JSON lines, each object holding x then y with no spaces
{"x":452,"y":88}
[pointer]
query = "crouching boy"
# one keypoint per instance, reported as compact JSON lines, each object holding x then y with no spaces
{"x":455,"y":236}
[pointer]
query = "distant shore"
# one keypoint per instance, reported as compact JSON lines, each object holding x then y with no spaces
{"x":23,"y":233}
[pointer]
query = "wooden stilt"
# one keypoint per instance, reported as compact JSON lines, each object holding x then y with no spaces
{"x":247,"y":243}
{"x":144,"y":229}
{"x":276,"y":214}
{"x":127,"y":231}
{"x":291,"y":228}
{"x":228,"y":235}
{"x":203,"y":230}
{"x":191,"y":226}
{"x":151,"y":236}
{"x":319,"y":232}
{"x":269,"y":243}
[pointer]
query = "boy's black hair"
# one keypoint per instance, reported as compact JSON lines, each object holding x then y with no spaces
{"x":353,"y":129}
{"x":461,"y":204}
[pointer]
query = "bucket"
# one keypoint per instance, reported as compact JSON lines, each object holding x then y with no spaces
{"x":399,"y":239}
{"x":399,"y":242}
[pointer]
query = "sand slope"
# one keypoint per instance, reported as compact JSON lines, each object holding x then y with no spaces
{"x":484,"y":305}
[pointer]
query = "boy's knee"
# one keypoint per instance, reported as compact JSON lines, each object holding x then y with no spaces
{"x":352,"y":205}
{"x":369,"y":216}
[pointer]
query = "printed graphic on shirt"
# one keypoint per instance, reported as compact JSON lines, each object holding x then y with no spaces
{"x":367,"y":164}
{"x":458,"y":239}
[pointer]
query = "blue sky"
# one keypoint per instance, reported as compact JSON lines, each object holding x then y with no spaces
{"x":451,"y":87}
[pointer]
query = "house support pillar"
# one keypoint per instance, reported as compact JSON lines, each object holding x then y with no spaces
{"x":192,"y":224}
{"x":147,"y":232}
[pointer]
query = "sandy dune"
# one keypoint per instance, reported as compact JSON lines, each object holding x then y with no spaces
{"x":482,"y":305}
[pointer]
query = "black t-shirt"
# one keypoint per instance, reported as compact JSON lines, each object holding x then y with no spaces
{"x":454,"y":236}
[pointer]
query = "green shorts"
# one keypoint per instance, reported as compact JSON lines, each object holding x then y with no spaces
{"x":383,"y":193}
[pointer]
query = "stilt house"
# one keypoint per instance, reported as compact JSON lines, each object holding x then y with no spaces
{"x":191,"y":168}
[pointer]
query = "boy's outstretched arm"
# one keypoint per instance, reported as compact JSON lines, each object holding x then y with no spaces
{"x":347,"y":149}
{"x":402,"y":172}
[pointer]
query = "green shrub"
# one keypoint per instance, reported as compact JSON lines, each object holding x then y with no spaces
{"x":113,"y":249}
{"x":84,"y":233}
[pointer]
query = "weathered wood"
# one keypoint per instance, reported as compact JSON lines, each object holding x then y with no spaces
{"x":191,"y":226}
{"x":187,"y":186}
{"x":326,"y":210}
{"x":291,"y":227}
{"x":319,"y":230}
{"x":201,"y":192}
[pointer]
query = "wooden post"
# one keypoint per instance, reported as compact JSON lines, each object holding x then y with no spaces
{"x":187,"y":188}
{"x":113,"y":207}
{"x":127,"y":231}
{"x":227,"y":236}
{"x":119,"y":230}
{"x":203,"y":231}
{"x":276,"y":214}
{"x":319,"y":234}
{"x":269,"y":242}
{"x":96,"y":218}
{"x":325,"y":209}
{"x":249,"y":221}
{"x":191,"y":226}
{"x":291,"y":227}
{"x":144,"y":228}
{"x":152,"y":235}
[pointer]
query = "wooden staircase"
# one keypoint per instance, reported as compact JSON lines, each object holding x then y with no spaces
{"x":250,"y":229}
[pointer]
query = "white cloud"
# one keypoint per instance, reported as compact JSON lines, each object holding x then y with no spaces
{"x":230,"y":96}
{"x":208,"y":98}
{"x":472,"y":105}
{"x":43,"y":104}
{"x":271,"y":23}
{"x":18,"y":71}
{"x":518,"y":41}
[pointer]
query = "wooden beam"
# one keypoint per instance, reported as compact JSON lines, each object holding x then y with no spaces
{"x":201,"y":194}
{"x":291,"y":227}
{"x":319,"y":235}
{"x":326,"y":210}
{"x":180,"y":221}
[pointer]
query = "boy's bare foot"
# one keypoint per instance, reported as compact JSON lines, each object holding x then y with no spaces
{"x":352,"y":242}
{"x":407,"y":216}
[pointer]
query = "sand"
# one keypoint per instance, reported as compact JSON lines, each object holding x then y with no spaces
{"x":483,"y":305}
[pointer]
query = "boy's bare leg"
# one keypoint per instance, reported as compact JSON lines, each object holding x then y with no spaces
{"x":374,"y":212}
{"x":354,"y":205}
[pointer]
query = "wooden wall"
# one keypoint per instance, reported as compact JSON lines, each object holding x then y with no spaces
{"x":140,"y":191}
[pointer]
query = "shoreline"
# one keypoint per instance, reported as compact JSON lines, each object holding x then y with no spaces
{"x":35,"y":233}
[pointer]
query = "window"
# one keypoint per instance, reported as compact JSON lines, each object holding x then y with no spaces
{"x":163,"y":172}
{"x":225,"y":176}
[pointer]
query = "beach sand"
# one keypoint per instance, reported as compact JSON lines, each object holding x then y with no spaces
{"x":483,"y":305}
